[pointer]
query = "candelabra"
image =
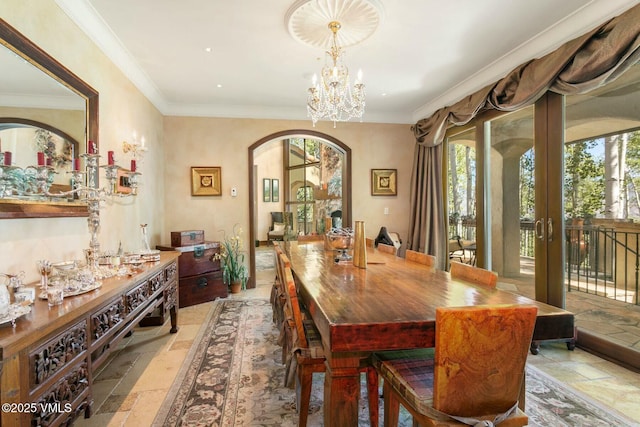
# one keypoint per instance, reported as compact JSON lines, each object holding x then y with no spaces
{"x":36,"y":181}
{"x":94,"y":195}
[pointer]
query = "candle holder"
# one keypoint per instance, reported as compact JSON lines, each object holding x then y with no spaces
{"x":36,"y":181}
{"x":6,"y":180}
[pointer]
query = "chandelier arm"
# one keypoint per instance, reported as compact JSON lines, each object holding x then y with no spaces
{"x":333,"y":98}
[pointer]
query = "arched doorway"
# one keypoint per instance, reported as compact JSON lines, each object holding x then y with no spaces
{"x":293,"y":133}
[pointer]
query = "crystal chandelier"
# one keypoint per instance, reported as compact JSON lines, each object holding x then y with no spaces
{"x":333,"y":98}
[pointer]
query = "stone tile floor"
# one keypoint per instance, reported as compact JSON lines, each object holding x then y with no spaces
{"x":132,"y":385}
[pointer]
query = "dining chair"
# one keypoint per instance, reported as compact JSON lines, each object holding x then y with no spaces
{"x":389,"y":249}
{"x":475,"y":375}
{"x":472,"y":274}
{"x":278,"y":301}
{"x":277,"y":296}
{"x":306,"y":355}
{"x":420,"y":257}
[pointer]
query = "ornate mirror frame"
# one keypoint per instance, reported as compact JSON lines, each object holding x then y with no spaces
{"x":17,"y":42}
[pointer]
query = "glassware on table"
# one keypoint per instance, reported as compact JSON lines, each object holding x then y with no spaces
{"x":64,"y":269}
{"x":44,"y":268}
{"x":55,"y":295}
{"x":5,"y":300}
{"x":341,"y":240}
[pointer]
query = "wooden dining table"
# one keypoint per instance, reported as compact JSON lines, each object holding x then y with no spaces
{"x":389,"y":305}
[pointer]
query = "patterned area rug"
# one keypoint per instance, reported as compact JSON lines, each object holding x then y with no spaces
{"x":236,"y":379}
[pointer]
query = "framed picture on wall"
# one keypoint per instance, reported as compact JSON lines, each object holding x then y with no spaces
{"x":275,"y":190}
{"x":266,"y":190}
{"x":384,"y":182}
{"x":206,"y":181}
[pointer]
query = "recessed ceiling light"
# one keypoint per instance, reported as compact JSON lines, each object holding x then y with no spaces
{"x":384,"y":93}
{"x":218,"y":85}
{"x":208,"y":49}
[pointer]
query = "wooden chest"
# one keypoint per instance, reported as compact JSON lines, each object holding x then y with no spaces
{"x":201,"y":288}
{"x":198,"y":259}
{"x":187,"y":238}
{"x":199,"y":273}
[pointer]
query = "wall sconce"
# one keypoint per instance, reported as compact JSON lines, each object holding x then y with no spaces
{"x":137,"y":148}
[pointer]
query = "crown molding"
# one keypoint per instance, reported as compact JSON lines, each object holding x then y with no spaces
{"x":84,"y":15}
{"x":580,"y":22}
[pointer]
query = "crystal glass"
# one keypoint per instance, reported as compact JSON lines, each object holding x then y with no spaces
{"x":44,"y":268}
{"x":55,"y":295}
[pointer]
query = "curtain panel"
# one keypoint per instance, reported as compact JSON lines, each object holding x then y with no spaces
{"x":578,"y":66}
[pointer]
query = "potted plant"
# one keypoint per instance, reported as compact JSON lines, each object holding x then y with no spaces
{"x":234,"y":272}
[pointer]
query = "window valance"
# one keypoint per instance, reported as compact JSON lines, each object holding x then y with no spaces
{"x":578,"y":66}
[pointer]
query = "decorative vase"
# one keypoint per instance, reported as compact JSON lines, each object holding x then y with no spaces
{"x":236,"y":287}
{"x":359,"y":246}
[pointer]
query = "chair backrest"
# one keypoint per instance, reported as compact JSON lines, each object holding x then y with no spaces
{"x":480,"y":357}
{"x":387,"y":248}
{"x":368,"y":242}
{"x":281,"y":264}
{"x":476,"y":275}
{"x":292,"y":302}
{"x":281,"y":218}
{"x":420,"y":257}
{"x":302,"y":238}
{"x":336,"y":218}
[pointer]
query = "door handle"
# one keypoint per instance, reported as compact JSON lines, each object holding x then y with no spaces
{"x":549,"y":229}
{"x":539,"y":229}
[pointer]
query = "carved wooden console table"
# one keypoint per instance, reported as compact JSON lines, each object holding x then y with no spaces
{"x":49,"y":358}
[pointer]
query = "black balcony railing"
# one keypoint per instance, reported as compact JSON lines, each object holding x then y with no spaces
{"x":603,"y":261}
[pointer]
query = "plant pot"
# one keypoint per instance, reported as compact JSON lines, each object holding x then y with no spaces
{"x":236,"y":287}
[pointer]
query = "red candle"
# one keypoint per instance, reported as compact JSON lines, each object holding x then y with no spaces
{"x":7,"y":158}
{"x":110,"y":157}
{"x":92,"y":147}
{"x":40,"y":158}
{"x":76,"y":164}
{"x":133,"y":165}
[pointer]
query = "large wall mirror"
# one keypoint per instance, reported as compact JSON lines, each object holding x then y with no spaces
{"x":46,"y":108}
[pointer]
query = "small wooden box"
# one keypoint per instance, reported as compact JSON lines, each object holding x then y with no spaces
{"x":187,"y":238}
{"x":202,"y":288}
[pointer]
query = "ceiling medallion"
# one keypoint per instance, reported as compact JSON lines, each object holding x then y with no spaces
{"x":334,"y":24}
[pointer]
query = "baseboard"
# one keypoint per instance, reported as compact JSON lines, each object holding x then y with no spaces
{"x":601,"y":347}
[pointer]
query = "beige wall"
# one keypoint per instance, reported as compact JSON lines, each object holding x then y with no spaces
{"x":175,"y":144}
{"x":268,"y":165}
{"x":123,"y":109}
{"x":194,"y":141}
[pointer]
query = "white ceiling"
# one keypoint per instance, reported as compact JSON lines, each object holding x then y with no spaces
{"x":424,"y":55}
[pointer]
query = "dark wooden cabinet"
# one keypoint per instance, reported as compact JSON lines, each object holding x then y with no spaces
{"x":49,"y":359}
{"x":200,"y":276}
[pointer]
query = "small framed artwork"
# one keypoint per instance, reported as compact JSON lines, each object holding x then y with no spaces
{"x":266,"y":190}
{"x":384,"y":182}
{"x":206,"y":181}
{"x":275,"y":190}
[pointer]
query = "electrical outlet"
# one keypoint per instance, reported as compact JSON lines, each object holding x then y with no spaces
{"x":234,"y":191}
{"x":386,"y":211}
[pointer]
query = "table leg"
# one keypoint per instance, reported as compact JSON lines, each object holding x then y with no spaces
{"x":341,"y":392}
{"x":173,"y":313}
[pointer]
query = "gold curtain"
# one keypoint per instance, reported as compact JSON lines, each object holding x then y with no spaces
{"x":580,"y":65}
